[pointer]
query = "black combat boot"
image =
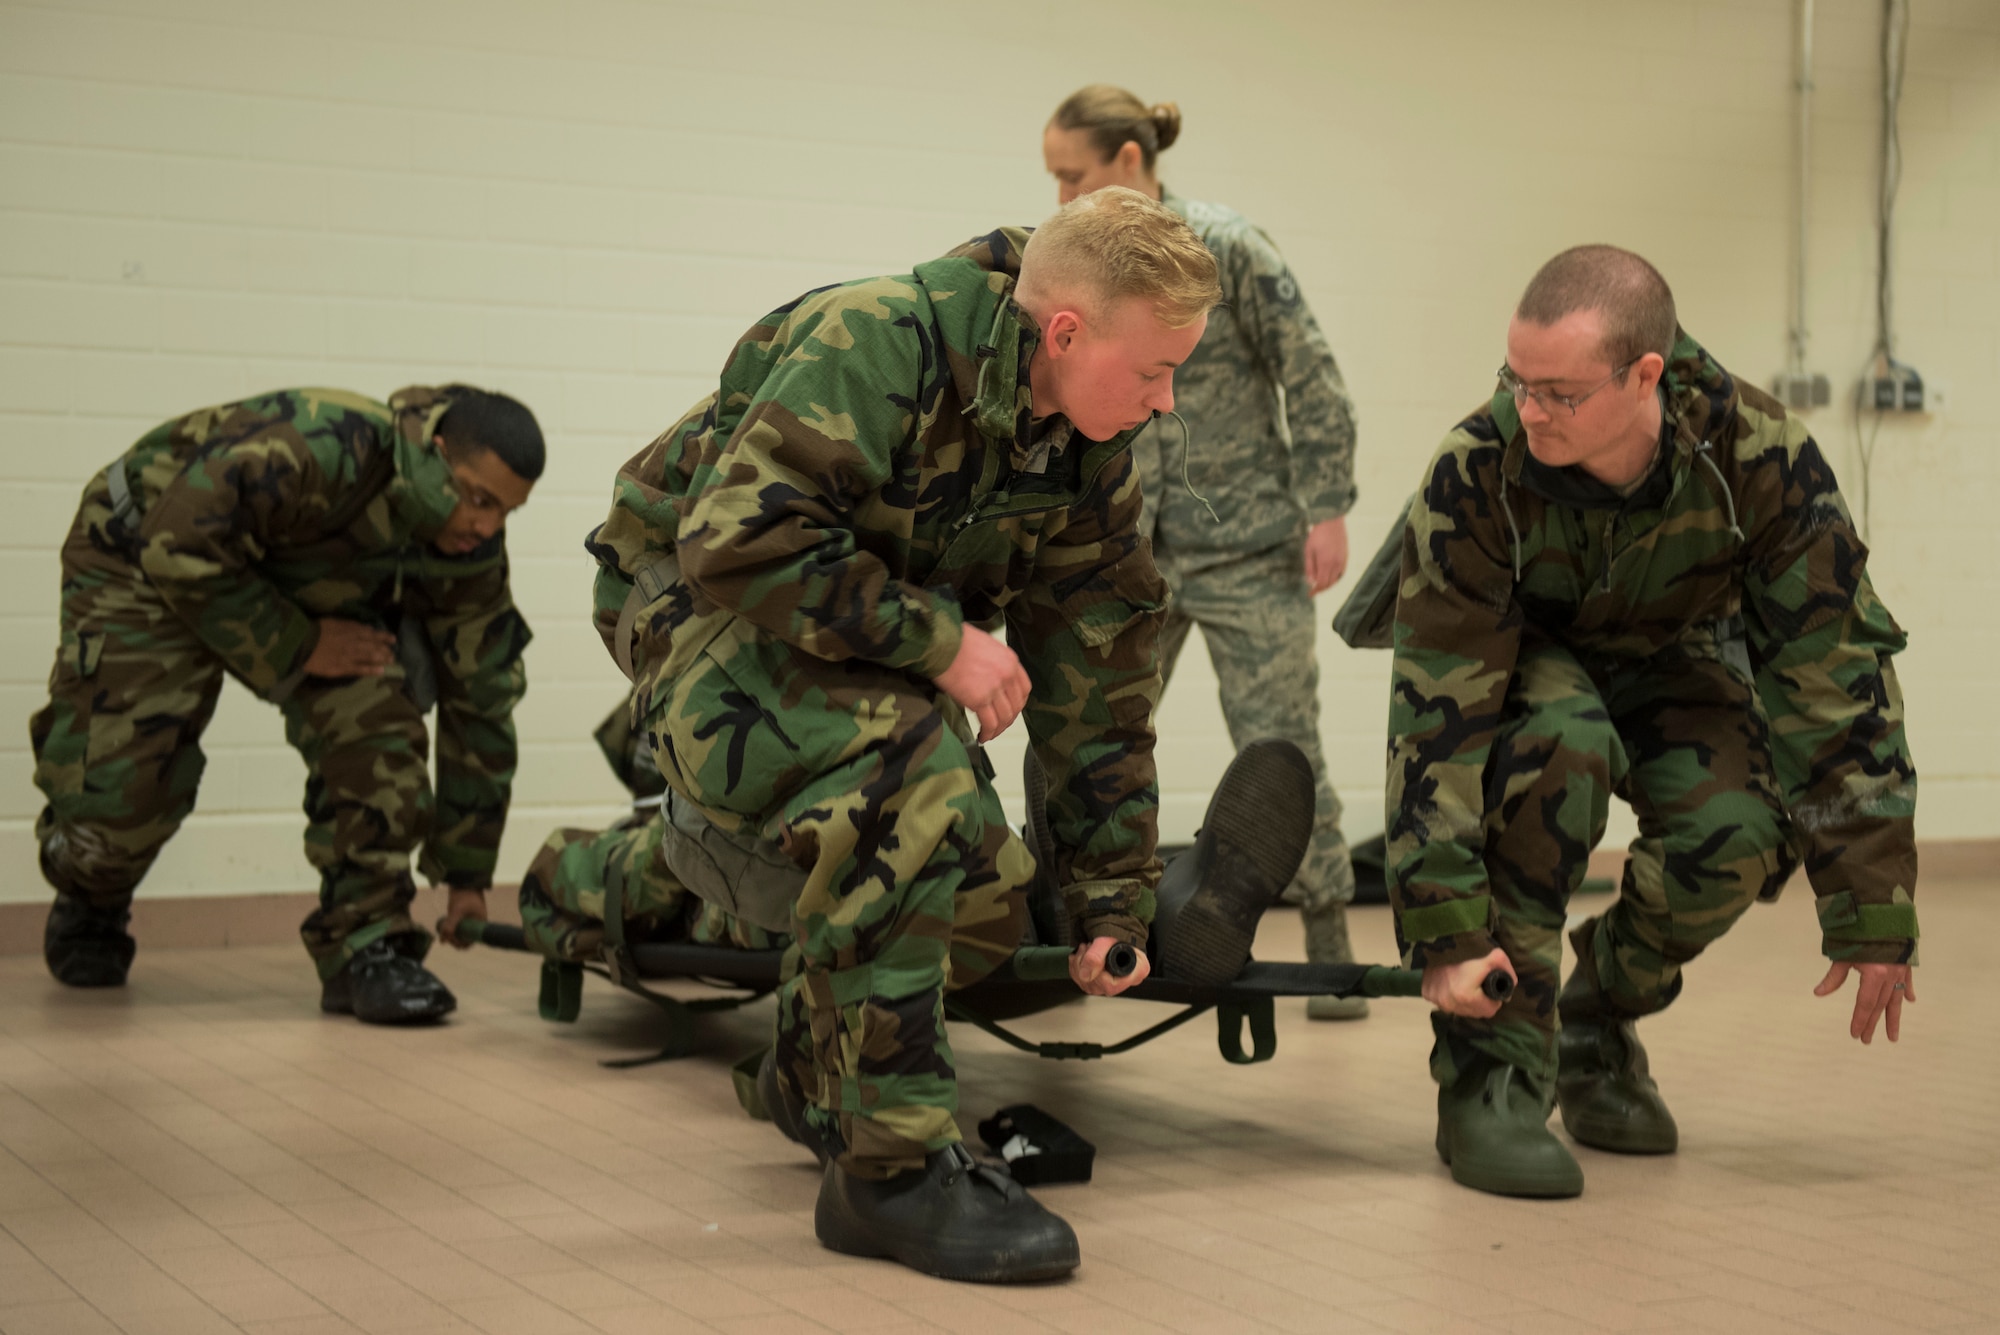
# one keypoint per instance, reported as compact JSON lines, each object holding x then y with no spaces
{"x":953,"y":1218}
{"x":86,"y":944}
{"x":1250,"y":845}
{"x":786,"y":1108}
{"x":1606,"y":1091}
{"x":382,"y":985}
{"x":1493,"y":1130}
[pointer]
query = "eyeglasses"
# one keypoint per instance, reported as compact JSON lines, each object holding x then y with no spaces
{"x":1548,"y":399}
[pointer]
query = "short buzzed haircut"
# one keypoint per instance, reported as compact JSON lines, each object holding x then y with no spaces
{"x":1115,"y":243}
{"x":482,"y":422}
{"x":1635,"y":302}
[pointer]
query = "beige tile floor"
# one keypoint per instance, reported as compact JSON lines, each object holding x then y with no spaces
{"x":205,"y":1152}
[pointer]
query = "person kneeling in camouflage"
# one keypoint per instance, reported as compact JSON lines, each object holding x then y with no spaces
{"x":343,"y":559}
{"x":801,"y":576}
{"x":1630,"y":573}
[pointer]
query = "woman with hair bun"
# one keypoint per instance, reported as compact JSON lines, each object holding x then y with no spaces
{"x":1245,"y":501}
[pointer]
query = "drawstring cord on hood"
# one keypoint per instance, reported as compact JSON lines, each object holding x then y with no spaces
{"x":1703,"y":452}
{"x":1507,"y":508}
{"x":1187,"y":443}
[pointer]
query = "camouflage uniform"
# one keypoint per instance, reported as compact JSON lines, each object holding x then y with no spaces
{"x":578,"y":873}
{"x":867,"y":479}
{"x":223,"y":563}
{"x":564,"y":896}
{"x":1228,"y":508}
{"x":1709,"y":648}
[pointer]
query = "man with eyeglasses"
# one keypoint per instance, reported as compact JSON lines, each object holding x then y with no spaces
{"x":1628,"y":573}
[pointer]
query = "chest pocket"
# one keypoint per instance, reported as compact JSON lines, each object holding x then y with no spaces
{"x":1099,"y":603}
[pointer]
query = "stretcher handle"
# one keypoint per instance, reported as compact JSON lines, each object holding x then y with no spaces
{"x":495,"y":935}
{"x":1386,"y":982}
{"x":1038,"y":964}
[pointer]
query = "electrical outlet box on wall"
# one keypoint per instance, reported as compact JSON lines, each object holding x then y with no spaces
{"x":1901,"y":390}
{"x":1801,"y":391}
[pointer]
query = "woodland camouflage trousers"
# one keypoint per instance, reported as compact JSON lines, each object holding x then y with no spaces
{"x":1681,"y":737}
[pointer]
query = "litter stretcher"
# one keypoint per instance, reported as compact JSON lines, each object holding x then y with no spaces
{"x":1035,"y":980}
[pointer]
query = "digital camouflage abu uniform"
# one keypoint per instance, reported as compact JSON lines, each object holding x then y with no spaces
{"x":246,"y":525}
{"x":1228,"y":507}
{"x":1709,"y":648}
{"x":866,"y":480}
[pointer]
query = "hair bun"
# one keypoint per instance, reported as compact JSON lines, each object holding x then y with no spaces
{"x":1166,"y":118}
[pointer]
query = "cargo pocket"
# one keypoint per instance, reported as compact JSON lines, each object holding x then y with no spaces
{"x":729,"y":751}
{"x":62,"y":731}
{"x":1103,"y":611}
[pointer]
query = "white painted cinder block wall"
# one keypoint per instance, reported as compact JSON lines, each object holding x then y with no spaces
{"x":583,"y":203}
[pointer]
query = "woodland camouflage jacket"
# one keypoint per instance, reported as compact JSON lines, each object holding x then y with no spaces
{"x":230,"y":526}
{"x":868,"y":478}
{"x":1747,"y":525}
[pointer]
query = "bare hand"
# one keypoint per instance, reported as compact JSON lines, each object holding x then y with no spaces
{"x":987,"y":680}
{"x":1882,"y":991}
{"x":1454,"y":988}
{"x":1086,"y":969}
{"x":350,"y":649}
{"x":1326,"y":554}
{"x":460,"y":904}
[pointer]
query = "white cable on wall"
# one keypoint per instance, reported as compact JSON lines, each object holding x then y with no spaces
{"x":1882,"y":358}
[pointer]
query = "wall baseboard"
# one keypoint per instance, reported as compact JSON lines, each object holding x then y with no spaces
{"x":273,"y":920}
{"x":215,"y":921}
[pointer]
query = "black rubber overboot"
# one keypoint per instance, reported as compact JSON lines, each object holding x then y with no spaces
{"x":85,"y":944}
{"x":1048,"y":914}
{"x":1604,"y":1084}
{"x":786,"y":1108}
{"x":1250,"y":845}
{"x":1606,"y":1091}
{"x":383,"y":984}
{"x":1493,"y":1130}
{"x":954,"y":1218}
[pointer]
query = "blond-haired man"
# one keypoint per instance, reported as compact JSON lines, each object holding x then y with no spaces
{"x":801,"y":574}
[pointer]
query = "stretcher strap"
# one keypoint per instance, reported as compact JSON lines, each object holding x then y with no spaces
{"x":1229,"y":1020}
{"x":562,"y":991}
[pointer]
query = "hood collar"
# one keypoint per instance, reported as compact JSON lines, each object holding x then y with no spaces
{"x":422,"y":493}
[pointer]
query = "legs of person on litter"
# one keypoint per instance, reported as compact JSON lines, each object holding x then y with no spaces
{"x":566,"y":889}
{"x":1256,"y":618}
{"x":1253,"y":836}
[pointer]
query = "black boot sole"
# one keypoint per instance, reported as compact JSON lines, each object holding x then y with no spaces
{"x":90,"y":969}
{"x":86,"y":947}
{"x":1252,"y":840}
{"x":336,"y":1005}
{"x":841,"y":1231}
